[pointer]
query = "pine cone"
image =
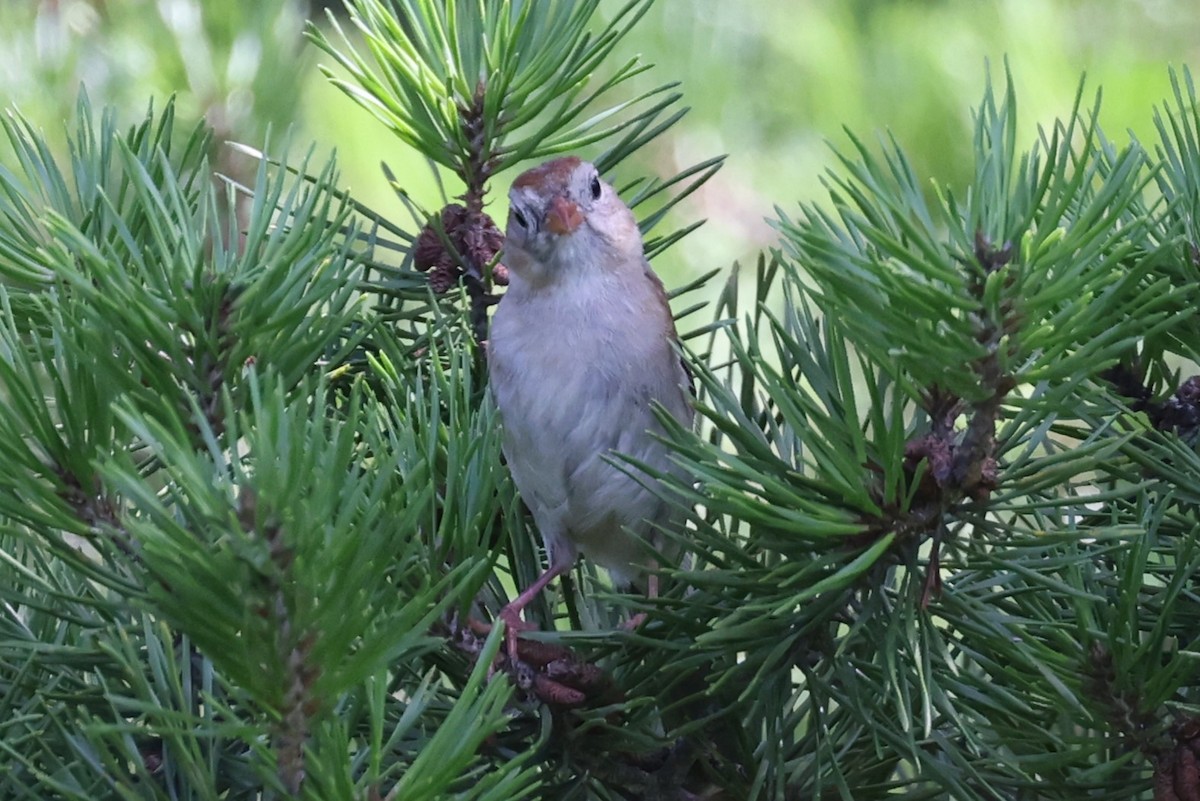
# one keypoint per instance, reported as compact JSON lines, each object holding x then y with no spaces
{"x":473,"y":237}
{"x":1177,"y":774}
{"x":443,"y":277}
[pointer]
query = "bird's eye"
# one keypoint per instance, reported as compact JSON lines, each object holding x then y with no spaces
{"x":519,"y":218}
{"x":595,"y":188}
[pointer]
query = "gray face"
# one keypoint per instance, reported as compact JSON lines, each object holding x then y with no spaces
{"x":550,"y":202}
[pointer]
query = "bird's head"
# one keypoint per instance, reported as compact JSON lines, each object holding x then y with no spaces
{"x":563,"y":217}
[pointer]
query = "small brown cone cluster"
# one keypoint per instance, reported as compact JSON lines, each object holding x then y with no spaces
{"x":1177,"y":773}
{"x":471,"y":237}
{"x":1182,"y":411}
{"x":555,"y":675}
{"x":1179,"y":414}
{"x":549,"y":673}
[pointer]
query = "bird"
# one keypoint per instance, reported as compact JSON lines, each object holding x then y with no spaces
{"x":582,"y":349}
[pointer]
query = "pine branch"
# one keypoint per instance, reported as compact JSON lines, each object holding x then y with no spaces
{"x":478,"y":89}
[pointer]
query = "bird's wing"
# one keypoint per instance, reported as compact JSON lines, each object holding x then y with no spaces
{"x":682,"y":410}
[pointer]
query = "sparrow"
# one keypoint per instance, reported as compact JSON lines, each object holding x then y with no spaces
{"x":582,"y":348}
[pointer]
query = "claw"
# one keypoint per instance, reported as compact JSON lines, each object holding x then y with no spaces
{"x":513,"y":626}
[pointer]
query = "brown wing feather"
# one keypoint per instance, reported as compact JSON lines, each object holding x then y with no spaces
{"x":661,"y":292}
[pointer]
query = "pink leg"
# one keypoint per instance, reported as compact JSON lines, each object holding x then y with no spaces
{"x":511,"y":613}
{"x":651,"y":593}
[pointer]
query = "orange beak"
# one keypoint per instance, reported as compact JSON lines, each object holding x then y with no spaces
{"x":563,"y":216}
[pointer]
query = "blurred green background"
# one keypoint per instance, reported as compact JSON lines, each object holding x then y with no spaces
{"x":771,"y":83}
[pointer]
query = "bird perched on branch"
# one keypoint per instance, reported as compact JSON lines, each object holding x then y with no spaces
{"x":582,"y":348}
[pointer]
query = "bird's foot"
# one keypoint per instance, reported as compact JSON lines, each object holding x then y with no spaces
{"x":513,"y":626}
{"x":634,"y":622}
{"x":552,"y":673}
{"x":512,"y":622}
